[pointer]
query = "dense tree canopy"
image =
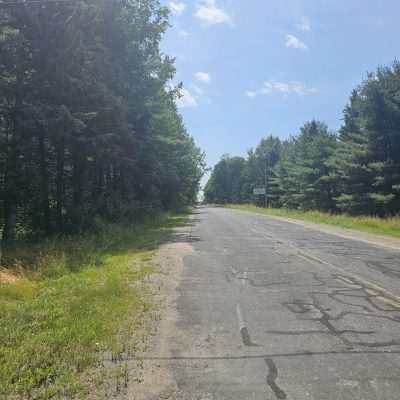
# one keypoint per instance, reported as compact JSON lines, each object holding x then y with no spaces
{"x":88,"y":123}
{"x":356,"y":171}
{"x":303,"y":173}
{"x":367,"y":162}
{"x":261,"y":165}
{"x":226,"y":184}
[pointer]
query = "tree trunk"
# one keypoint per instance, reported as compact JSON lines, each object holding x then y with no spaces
{"x":11,"y":169}
{"x":60,"y":186}
{"x":10,"y":200}
{"x":78,"y":189}
{"x":10,"y":188}
{"x":10,"y":222}
{"x":44,"y":184}
{"x":77,"y":183}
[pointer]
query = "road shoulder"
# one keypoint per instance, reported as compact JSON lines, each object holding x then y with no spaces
{"x":157,"y":381}
{"x":375,"y":240}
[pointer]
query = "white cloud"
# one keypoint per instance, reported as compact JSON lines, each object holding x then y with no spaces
{"x":286,"y":88}
{"x":272,"y":87}
{"x":176,"y":7}
{"x":203,"y":77}
{"x":295,"y":43}
{"x":209,"y":13}
{"x":304,"y":25}
{"x":183,"y":34}
{"x":187,"y":99}
{"x":251,"y":93}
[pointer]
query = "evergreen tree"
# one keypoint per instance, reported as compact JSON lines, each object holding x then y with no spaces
{"x":226,"y":182}
{"x":368,"y":156}
{"x":305,"y":171}
{"x":261,"y":169}
{"x":357,"y":172}
{"x":88,"y":124}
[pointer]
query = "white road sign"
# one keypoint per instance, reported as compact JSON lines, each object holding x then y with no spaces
{"x":259,"y":191}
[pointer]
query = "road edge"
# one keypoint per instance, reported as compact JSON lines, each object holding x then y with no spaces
{"x":346,"y":233}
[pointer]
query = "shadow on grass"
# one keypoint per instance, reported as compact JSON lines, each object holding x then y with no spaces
{"x":55,"y":257}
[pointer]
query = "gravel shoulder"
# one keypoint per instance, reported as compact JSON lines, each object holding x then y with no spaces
{"x":157,"y":381}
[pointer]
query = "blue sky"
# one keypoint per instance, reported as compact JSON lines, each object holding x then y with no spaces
{"x":256,"y":67}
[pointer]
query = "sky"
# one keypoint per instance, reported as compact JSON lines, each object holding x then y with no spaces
{"x":251,"y":68}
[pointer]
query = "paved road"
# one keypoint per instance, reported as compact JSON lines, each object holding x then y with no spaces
{"x":271,"y":310}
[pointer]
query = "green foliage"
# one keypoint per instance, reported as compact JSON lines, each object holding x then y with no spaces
{"x":367,"y":160}
{"x":226,"y":184}
{"x":261,"y":169}
{"x":89,"y":128}
{"x":356,"y":172}
{"x":304,"y":171}
{"x":75,"y":304}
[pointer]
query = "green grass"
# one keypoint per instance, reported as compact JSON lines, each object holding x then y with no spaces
{"x":74,"y":304}
{"x":379,"y":226}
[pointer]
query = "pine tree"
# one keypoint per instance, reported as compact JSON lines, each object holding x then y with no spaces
{"x":261,"y":169}
{"x":226,"y":183}
{"x":89,"y":128}
{"x":368,"y":157}
{"x":304,"y":173}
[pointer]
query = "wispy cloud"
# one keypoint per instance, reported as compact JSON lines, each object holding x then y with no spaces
{"x":203,"y":77}
{"x":251,"y":93}
{"x":295,"y":43}
{"x":209,"y":13}
{"x":304,"y":25}
{"x":273,"y":87}
{"x":183,"y":34}
{"x":177,"y":7}
{"x":186,"y":99}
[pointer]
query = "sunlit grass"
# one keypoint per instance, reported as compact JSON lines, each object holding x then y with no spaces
{"x":73,"y":303}
{"x":379,"y":226}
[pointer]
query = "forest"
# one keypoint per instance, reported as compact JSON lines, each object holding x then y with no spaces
{"x":354,"y":171}
{"x":89,"y":128}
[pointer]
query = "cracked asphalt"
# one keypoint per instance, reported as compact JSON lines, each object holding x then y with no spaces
{"x":267,"y":309}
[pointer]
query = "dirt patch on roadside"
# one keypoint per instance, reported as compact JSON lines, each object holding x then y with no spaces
{"x":156,"y":381}
{"x":7,"y":277}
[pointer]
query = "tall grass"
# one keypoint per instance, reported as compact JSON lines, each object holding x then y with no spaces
{"x":375,"y":225}
{"x":72,"y":303}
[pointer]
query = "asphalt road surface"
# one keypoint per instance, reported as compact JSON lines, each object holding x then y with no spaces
{"x":267,"y":309}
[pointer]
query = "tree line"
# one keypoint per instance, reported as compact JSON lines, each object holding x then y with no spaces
{"x":89,"y":127}
{"x":355,"y":170}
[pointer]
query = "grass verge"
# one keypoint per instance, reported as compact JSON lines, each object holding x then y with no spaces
{"x":379,"y":226}
{"x":71,"y":303}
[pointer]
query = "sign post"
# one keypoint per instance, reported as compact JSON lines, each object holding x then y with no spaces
{"x":261,"y":192}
